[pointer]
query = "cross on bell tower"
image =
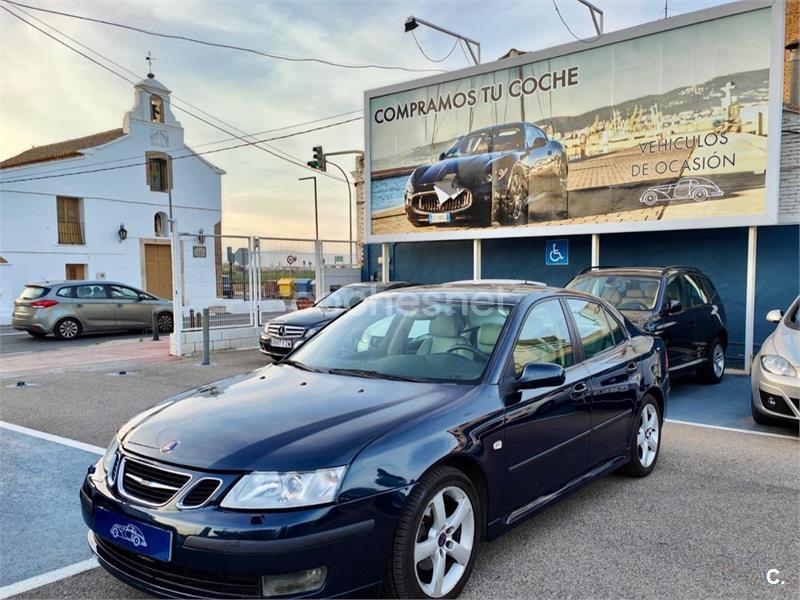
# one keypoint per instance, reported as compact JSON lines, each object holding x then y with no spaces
{"x":149,"y":58}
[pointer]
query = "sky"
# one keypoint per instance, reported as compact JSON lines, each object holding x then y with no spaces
{"x":50,"y":94}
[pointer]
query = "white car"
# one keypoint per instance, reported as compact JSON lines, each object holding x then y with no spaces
{"x":775,"y":376}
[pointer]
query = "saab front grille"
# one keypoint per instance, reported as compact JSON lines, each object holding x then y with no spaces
{"x":285,"y":331}
{"x":429,"y":202}
{"x":178,"y":581}
{"x":200,"y":493}
{"x":148,"y":483}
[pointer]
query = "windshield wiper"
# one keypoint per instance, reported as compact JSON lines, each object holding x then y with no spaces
{"x":299,"y":365}
{"x":373,"y":375}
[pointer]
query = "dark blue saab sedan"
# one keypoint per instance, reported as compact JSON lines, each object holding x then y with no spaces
{"x":380,"y":453}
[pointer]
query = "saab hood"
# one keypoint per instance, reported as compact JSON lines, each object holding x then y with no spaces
{"x":464,"y":166}
{"x":308,"y":317}
{"x":281,"y":418}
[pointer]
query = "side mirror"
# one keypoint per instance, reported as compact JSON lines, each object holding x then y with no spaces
{"x":441,"y":156}
{"x":538,"y":143}
{"x":539,"y":375}
{"x":775,"y":315}
{"x":142,"y":297}
{"x":674,"y":306}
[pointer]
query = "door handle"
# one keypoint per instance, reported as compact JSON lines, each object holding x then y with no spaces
{"x":119,"y":305}
{"x":79,"y":305}
{"x":579,"y":390}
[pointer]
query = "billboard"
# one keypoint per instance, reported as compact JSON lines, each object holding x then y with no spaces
{"x":662,"y":126}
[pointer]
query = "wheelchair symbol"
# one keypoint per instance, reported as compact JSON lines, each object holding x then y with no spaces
{"x":555,"y":254}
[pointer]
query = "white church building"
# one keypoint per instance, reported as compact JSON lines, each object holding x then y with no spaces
{"x":97,"y":207}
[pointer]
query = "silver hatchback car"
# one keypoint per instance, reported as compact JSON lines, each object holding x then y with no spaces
{"x":69,"y":308}
{"x":775,"y":376}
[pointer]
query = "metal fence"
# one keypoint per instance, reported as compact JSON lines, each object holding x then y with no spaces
{"x":246,"y":280}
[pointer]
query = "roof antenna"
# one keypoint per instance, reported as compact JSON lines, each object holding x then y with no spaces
{"x":149,"y":58}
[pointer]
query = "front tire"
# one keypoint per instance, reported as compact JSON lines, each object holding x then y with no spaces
{"x":646,"y":440}
{"x":67,"y":329}
{"x":713,"y":368}
{"x":437,"y":537}
{"x":513,"y":209}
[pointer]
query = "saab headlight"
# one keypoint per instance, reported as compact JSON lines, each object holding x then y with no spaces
{"x":777,"y":365}
{"x":269,"y":490}
{"x":110,"y":460}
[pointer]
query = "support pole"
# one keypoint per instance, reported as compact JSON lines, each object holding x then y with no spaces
{"x":476,"y":259}
{"x":206,"y":357}
{"x":385,"y":262}
{"x":595,"y":262}
{"x":155,"y":327}
{"x":750,"y":299}
{"x":177,"y":287}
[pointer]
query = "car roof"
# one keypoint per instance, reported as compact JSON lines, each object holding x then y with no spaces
{"x":651,"y":271}
{"x":504,"y":293}
{"x":500,"y":126}
{"x":78,"y":282}
{"x":380,"y":284}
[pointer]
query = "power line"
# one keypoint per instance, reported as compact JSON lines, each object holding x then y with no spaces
{"x":221,"y":45}
{"x":220,"y":141}
{"x":272,"y":151}
{"x":558,"y":12}
{"x":446,"y":56}
{"x":189,"y":155}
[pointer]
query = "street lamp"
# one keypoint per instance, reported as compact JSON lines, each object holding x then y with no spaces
{"x":474,"y":47}
{"x":316,"y":212}
{"x":317,"y":244}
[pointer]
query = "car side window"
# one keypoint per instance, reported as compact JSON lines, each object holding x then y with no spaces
{"x":531,"y":135}
{"x":118,"y":291}
{"x":593,"y":326}
{"x":91,"y":292}
{"x":544,"y":337}
{"x":672,"y":291}
{"x":66,"y":292}
{"x":695,"y":296}
{"x":615,"y":327}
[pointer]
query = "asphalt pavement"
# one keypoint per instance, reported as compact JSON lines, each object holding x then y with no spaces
{"x":718,"y":512}
{"x":13,"y":341}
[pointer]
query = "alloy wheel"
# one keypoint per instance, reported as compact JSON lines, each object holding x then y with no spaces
{"x":647,"y":437}
{"x":68,"y":329}
{"x":165,"y":323}
{"x":718,"y":361}
{"x":445,"y":541}
{"x":516,"y":195}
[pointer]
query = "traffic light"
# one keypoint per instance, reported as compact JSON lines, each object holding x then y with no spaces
{"x":319,"y":159}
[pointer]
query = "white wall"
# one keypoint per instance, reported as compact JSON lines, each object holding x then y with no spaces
{"x":28,"y":214}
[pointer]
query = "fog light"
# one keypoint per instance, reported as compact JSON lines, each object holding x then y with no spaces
{"x":771,"y":402}
{"x":293,"y":583}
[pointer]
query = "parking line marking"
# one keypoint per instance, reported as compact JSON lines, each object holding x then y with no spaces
{"x":47,"y":578}
{"x":737,"y":430}
{"x":53,"y":438}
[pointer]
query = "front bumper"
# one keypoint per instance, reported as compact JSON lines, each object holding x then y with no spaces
{"x":223,"y":553}
{"x":777,"y":396}
{"x":473,"y":213}
{"x":265,"y":347}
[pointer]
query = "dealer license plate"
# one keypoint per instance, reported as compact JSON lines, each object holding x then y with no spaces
{"x":279,"y":343}
{"x":439,"y":217}
{"x":132,"y":535}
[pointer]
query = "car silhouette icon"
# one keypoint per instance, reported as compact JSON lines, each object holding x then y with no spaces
{"x":130,"y":533}
{"x":696,"y":188}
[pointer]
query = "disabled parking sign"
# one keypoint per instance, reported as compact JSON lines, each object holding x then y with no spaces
{"x":556,"y":253}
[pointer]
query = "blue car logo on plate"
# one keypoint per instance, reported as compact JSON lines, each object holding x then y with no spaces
{"x":130,"y":533}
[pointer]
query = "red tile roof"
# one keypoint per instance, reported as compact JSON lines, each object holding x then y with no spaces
{"x":61,"y":150}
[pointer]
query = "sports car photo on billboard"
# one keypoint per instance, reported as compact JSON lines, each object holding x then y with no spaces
{"x":490,"y":174}
{"x":696,"y":188}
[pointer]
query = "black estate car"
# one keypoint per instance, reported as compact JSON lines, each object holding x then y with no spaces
{"x":680,"y":304}
{"x":489,"y":174}
{"x":381,"y":453}
{"x":281,"y":334}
